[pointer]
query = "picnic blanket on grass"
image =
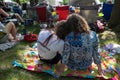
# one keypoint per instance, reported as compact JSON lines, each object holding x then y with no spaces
{"x":109,"y":65}
{"x":7,"y":45}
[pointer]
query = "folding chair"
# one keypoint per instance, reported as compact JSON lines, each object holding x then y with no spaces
{"x":41,"y":13}
{"x":107,"y":9}
{"x":63,"y":12}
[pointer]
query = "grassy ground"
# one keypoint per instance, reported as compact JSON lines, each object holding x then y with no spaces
{"x":8,"y":72}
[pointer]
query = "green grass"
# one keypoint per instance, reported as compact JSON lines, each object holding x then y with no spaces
{"x":8,"y":72}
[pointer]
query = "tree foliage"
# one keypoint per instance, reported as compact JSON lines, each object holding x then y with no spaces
{"x":20,"y":1}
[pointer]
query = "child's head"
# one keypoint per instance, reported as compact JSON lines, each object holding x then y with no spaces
{"x":60,"y":29}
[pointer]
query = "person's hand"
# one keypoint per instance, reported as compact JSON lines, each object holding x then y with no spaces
{"x":100,"y":71}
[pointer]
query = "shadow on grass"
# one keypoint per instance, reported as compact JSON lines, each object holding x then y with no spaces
{"x":117,"y":32}
{"x":23,"y":74}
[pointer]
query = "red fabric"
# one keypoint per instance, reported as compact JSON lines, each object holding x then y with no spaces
{"x":41,"y":12}
{"x":30,"y":37}
{"x":63,"y":12}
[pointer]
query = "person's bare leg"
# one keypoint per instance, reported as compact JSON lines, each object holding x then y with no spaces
{"x":11,"y":31}
{"x":60,"y":69}
{"x":19,"y":17}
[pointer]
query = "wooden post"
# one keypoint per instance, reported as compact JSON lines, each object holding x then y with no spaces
{"x":115,"y":15}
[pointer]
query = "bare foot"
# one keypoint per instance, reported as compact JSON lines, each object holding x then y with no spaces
{"x":14,"y":40}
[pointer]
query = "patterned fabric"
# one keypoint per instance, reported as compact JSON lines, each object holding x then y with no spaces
{"x":110,"y":66}
{"x":79,"y":51}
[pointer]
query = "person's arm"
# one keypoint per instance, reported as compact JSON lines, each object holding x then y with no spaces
{"x":96,"y":55}
{"x":60,"y":69}
{"x":3,"y":13}
{"x":100,"y":72}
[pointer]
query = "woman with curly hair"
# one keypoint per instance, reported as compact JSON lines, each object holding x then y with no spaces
{"x":81,"y":45}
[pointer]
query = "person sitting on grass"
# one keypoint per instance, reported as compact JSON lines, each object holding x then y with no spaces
{"x":81,"y":46}
{"x":49,"y":46}
{"x":4,"y":14}
{"x":10,"y":32}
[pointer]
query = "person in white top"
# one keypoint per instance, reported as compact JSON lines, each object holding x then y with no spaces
{"x":49,"y":46}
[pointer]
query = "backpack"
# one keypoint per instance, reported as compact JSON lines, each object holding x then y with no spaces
{"x":30,"y":37}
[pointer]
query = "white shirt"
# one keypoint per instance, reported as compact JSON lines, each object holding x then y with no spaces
{"x":55,"y":45}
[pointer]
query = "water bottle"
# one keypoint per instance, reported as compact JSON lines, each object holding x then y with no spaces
{"x":35,"y":46}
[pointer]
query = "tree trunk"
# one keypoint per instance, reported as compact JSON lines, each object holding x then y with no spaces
{"x":115,"y":15}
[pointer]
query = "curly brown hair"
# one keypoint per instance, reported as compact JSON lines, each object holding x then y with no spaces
{"x":61,"y":29}
{"x":77,"y":24}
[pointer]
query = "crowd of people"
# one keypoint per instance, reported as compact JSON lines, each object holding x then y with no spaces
{"x":68,"y":43}
{"x":72,"y":42}
{"x":4,"y":14}
{"x":9,"y":28}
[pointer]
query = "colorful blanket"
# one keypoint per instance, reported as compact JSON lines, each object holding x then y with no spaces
{"x":109,"y":65}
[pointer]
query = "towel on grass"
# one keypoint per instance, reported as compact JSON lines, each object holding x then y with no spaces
{"x":110,"y":66}
{"x":7,"y":45}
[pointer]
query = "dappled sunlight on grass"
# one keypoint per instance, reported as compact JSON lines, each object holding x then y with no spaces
{"x":8,"y":72}
{"x":22,"y":48}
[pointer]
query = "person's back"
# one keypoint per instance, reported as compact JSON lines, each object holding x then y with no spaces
{"x":82,"y":48}
{"x":54,"y":44}
{"x":50,"y":46}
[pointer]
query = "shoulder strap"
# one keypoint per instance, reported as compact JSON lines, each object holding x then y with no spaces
{"x":47,"y":40}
